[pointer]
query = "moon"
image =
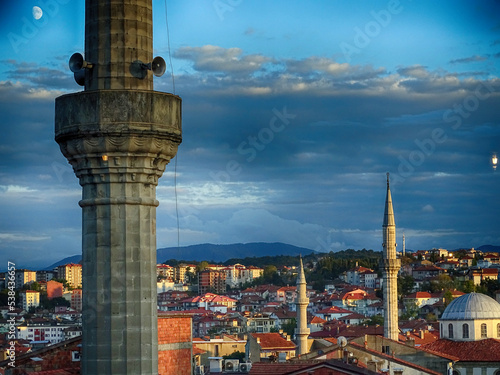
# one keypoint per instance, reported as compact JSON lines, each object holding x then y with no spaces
{"x":37,"y":12}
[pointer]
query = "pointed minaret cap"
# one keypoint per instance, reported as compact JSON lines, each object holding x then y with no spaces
{"x":389,"y":212}
{"x":301,"y":277}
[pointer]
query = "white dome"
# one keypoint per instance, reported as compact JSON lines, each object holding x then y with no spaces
{"x":472,"y":306}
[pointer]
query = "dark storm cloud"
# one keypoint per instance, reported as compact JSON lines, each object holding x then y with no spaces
{"x":40,"y":76}
{"x":352,"y":125}
{"x":279,"y":150}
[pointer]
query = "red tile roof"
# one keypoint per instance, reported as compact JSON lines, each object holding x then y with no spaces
{"x":273,"y":341}
{"x":427,"y":338}
{"x":352,"y":316}
{"x":317,"y":320}
{"x":468,"y":351}
{"x":419,"y":295}
{"x":334,"y":310}
{"x":307,"y":367}
{"x":394,"y":359}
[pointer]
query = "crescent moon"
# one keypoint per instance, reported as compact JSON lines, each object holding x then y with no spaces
{"x":37,"y":12}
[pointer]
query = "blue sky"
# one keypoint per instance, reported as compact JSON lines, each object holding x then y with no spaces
{"x":293,"y":112}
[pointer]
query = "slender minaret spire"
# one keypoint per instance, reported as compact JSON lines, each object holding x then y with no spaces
{"x":302,"y":332}
{"x":118,"y":135}
{"x":391,"y":267}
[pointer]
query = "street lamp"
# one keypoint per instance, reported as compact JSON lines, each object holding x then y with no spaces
{"x":494,"y":161}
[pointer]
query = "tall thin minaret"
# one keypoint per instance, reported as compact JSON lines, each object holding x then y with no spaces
{"x":391,"y":267}
{"x":302,"y":332}
{"x":118,"y":135}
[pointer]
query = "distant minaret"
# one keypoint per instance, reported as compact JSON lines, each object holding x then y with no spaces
{"x":301,"y":332}
{"x":391,"y":267}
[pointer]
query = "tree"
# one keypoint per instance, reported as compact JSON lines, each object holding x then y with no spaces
{"x":468,"y":286}
{"x":442,"y":282}
{"x":376,"y":320}
{"x":271,"y":276}
{"x":32,"y":286}
{"x":491,"y":286}
{"x":434,"y":257}
{"x":201,"y":266}
{"x":405,"y":285}
{"x":448,"y":297}
{"x":289,"y":327}
{"x":411,"y":311}
{"x":431,"y":317}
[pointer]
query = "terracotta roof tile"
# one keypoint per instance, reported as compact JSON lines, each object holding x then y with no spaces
{"x":468,"y":351}
{"x":273,"y":340}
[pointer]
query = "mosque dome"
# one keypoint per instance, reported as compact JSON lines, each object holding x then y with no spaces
{"x":472,"y":306}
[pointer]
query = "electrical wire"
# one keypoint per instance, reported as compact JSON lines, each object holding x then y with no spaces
{"x":177,"y":156}
{"x":169,"y":53}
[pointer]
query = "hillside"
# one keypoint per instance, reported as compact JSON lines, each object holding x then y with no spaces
{"x":212,"y":252}
{"x":71,"y":259}
{"x":221,"y":253}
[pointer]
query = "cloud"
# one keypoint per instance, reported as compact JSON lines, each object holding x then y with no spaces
{"x":318,"y":182}
{"x":211,"y":58}
{"x":319,"y":76}
{"x":18,"y":237}
{"x":42,"y":80}
{"x":466,"y":60}
{"x":414,"y":71}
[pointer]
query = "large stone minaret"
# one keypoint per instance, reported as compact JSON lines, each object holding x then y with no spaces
{"x":302,"y":332}
{"x":119,"y":135}
{"x":391,"y":267}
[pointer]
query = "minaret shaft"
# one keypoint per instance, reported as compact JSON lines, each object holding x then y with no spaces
{"x":391,"y":266}
{"x":118,"y":34}
{"x":302,"y":332}
{"x":118,"y":135}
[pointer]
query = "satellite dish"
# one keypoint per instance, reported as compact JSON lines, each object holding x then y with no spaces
{"x":80,"y":77}
{"x":76,"y":63}
{"x":158,"y":66}
{"x":341,"y":341}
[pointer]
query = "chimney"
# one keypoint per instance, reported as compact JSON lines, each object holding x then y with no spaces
{"x":421,"y":333}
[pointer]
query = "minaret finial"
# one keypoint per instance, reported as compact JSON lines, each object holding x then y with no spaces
{"x":387,"y":179}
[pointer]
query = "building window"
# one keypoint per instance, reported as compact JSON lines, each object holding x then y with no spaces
{"x":498,"y":330}
{"x":484,"y":331}
{"x":465,"y":331}
{"x":450,"y":331}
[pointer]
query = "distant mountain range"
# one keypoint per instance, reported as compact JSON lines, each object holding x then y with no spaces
{"x":221,"y":253}
{"x":489,"y":249}
{"x":215,"y":253}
